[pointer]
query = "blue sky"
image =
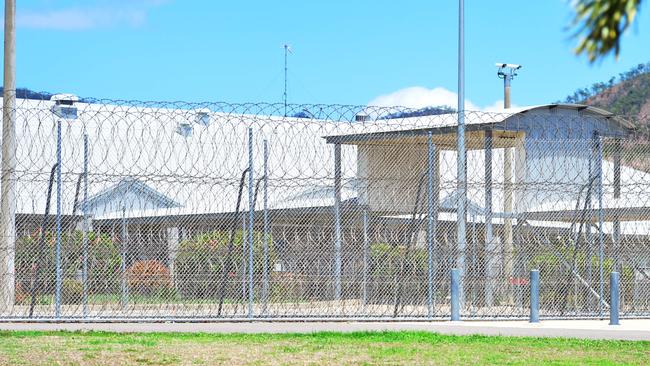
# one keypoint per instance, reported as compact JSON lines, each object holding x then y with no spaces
{"x":348,"y":52}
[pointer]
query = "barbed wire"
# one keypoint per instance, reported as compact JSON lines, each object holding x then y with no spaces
{"x":220,"y":211}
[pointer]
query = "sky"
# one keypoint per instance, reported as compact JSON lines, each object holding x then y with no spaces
{"x":344,"y":52}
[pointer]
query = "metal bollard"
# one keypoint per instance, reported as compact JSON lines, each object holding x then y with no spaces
{"x":534,"y":296}
{"x":614,"y":302}
{"x":455,"y":294}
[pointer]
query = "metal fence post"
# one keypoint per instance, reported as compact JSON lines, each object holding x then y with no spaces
{"x":534,"y":296}
{"x":337,"y":221}
{"x":489,"y":233}
{"x":265,"y":263}
{"x":601,"y":219}
{"x":84,"y":230}
{"x":614,"y":302}
{"x":366,"y":245}
{"x":251,"y":213}
{"x":430,"y":232}
{"x":455,"y":294}
{"x":57,"y":296}
{"x":124,"y":285}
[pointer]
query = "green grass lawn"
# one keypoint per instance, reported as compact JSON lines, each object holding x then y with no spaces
{"x":97,"y":348}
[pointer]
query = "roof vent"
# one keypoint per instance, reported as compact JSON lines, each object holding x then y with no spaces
{"x":202,"y":117}
{"x":184,"y":129}
{"x":361,"y":117}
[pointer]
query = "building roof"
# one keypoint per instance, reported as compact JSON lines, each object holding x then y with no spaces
{"x":447,"y":124}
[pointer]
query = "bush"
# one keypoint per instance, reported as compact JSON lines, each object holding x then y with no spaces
{"x":201,"y":261}
{"x":103,"y":261}
{"x":386,"y":266}
{"x":556,"y":281}
{"x":71,"y":292}
{"x":149,"y":277}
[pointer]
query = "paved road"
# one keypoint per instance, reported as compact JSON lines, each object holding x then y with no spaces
{"x":631,"y":329}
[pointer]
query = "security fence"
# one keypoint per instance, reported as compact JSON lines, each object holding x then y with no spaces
{"x":215,"y":211}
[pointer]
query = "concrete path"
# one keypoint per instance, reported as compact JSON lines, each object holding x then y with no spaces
{"x":630,"y":329}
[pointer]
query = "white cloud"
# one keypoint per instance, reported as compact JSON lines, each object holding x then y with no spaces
{"x":98,"y":15}
{"x":420,"y":97}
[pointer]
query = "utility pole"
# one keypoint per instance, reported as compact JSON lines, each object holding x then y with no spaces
{"x":8,"y":178}
{"x":507,"y":72}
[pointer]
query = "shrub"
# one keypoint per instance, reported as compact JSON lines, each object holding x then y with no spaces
{"x":20,"y":295}
{"x":71,"y":291}
{"x":103,"y":261}
{"x":201,"y":261}
{"x":149,"y":277}
{"x":556,"y":281}
{"x":386,"y":273}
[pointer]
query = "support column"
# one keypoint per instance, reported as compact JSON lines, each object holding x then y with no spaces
{"x":490,"y":247}
{"x":337,"y":222}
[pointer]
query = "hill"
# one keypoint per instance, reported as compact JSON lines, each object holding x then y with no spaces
{"x":626,"y":95}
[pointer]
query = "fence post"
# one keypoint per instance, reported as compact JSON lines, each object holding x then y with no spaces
{"x":455,"y":294}
{"x":601,"y":219}
{"x":124,"y":249}
{"x":489,"y":233}
{"x":430,"y":230}
{"x":366,"y":244}
{"x":614,"y":301}
{"x":84,"y":230}
{"x":337,"y":221}
{"x":534,"y":296}
{"x":57,"y":295}
{"x":251,"y":213}
{"x":265,"y":263}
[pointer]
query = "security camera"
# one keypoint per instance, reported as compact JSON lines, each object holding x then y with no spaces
{"x":512,"y":66}
{"x":64,"y":106}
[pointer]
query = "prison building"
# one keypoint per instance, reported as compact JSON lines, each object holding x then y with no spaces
{"x":348,"y":203}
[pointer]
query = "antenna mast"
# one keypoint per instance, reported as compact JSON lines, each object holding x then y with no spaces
{"x":287,"y":50}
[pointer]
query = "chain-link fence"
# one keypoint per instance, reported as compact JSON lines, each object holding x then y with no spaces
{"x":236,"y":211}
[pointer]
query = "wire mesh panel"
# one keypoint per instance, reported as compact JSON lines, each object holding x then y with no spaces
{"x":130,"y":210}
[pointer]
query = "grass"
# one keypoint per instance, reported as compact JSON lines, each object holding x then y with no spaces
{"x":99,"y":348}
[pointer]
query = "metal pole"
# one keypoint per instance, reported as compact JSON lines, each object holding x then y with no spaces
{"x":534,"y":296}
{"x":337,"y":221}
{"x":265,"y":264}
{"x":617,"y":194}
{"x":615,"y":298}
{"x":57,"y":293}
{"x":286,"y":51}
{"x":601,"y":219}
{"x":8,"y":179}
{"x":430,"y":232}
{"x":84,"y":230}
{"x":490,"y":252}
{"x":251,"y":212}
{"x":508,"y":247}
{"x":455,"y":294}
{"x":125,"y":288}
{"x":591,"y":173}
{"x":366,"y":247}
{"x":461,"y":164}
